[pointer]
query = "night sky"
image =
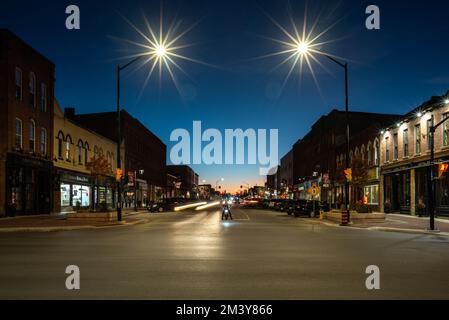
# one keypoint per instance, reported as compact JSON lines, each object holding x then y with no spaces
{"x":391,"y":70}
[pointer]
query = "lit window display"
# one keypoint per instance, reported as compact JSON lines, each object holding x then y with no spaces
{"x":372,"y":194}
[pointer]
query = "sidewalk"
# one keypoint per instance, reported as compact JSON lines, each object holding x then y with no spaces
{"x":58,"y":222}
{"x":404,"y":223}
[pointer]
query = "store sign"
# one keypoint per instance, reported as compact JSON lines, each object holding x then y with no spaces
{"x":75,"y":178}
{"x":373,"y":174}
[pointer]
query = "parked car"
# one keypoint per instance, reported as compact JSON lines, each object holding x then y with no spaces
{"x":310,"y":208}
{"x":273,"y":202}
{"x":167,"y":204}
{"x":284,"y":205}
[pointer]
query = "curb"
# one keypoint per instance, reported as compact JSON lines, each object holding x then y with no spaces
{"x":71,"y":228}
{"x":390,"y":229}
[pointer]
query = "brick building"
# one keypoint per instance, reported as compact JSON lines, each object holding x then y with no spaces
{"x":26,"y":127}
{"x":286,"y":174}
{"x":405,"y":160}
{"x":188,"y":180}
{"x":141,"y":148}
{"x":314,"y":156}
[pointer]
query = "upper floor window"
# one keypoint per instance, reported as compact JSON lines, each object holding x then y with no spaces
{"x":18,"y":139}
{"x":43,"y":141}
{"x":418,"y":139}
{"x":18,"y":76}
{"x":32,"y":135}
{"x":86,"y":152}
{"x":32,"y":89}
{"x":446,"y":130}
{"x":429,"y":125}
{"x":60,"y":142}
{"x":376,"y":152}
{"x":68,"y":145}
{"x":395,"y":146}
{"x":405,"y":142}
{"x":387,"y":149}
{"x":369,"y":154}
{"x":43,"y":97}
{"x":80,"y":152}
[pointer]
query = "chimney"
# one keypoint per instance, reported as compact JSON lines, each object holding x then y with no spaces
{"x":69,"y":112}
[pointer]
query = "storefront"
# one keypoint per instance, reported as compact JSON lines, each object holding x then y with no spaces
{"x":28,"y":185}
{"x":397,"y":192}
{"x":77,"y":191}
{"x":371,"y":188}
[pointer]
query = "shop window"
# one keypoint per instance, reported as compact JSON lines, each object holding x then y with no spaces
{"x":32,"y":89}
{"x":18,"y":139}
{"x":372,"y":194}
{"x":32,"y":135}
{"x":80,"y":196}
{"x":18,"y":75}
{"x":65,"y":195}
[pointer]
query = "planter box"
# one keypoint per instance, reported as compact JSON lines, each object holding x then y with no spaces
{"x":335,"y":216}
{"x":92,"y":216}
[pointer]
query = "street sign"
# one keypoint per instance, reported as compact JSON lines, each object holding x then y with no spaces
{"x":314,"y":190}
{"x":118,"y":174}
{"x":348,"y":174}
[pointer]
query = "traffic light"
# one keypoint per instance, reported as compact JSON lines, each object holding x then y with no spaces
{"x":442,"y":168}
{"x":118,"y":174}
{"x":348,"y":174}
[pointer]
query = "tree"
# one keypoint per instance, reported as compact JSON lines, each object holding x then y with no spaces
{"x":359,"y":175}
{"x":98,"y":167}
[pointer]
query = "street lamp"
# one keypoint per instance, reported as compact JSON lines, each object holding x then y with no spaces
{"x":216,"y":183}
{"x":432,"y":170}
{"x":303,"y":50}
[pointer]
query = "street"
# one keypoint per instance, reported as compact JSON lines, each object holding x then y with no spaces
{"x":261,"y":254}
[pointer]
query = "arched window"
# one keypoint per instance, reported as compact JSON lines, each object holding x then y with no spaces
{"x":369,"y":154}
{"x":32,"y":89}
{"x":356,"y":153}
{"x":350,"y":157}
{"x":100,"y":151}
{"x":43,"y":141}
{"x":68,"y":145}
{"x":362,"y":153}
{"x":376,"y":152}
{"x":95,"y":151}
{"x":86,"y":152}
{"x":32,"y":135}
{"x":80,"y":151}
{"x":60,"y":142}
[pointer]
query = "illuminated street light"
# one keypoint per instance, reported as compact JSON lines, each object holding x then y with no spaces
{"x":158,"y":50}
{"x":303,"y":47}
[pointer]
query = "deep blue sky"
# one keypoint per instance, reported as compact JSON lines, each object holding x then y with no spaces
{"x":391,"y":70}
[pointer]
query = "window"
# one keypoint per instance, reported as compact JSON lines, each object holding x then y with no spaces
{"x":395,"y":146}
{"x":418,"y":139}
{"x":368,"y":149}
{"x":43,"y":141}
{"x":405,"y":142}
{"x":446,"y":130}
{"x":429,"y":125}
{"x":80,"y":152}
{"x":18,"y":141}
{"x":43,"y":97}
{"x":60,"y":141}
{"x":387,"y":149}
{"x":371,"y":194}
{"x":68,"y":143}
{"x":376,"y":152}
{"x":18,"y":84}
{"x":32,"y":135}
{"x":32,"y":89}
{"x":86,"y":152}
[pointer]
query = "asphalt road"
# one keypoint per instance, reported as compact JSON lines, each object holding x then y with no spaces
{"x":193,"y":255}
